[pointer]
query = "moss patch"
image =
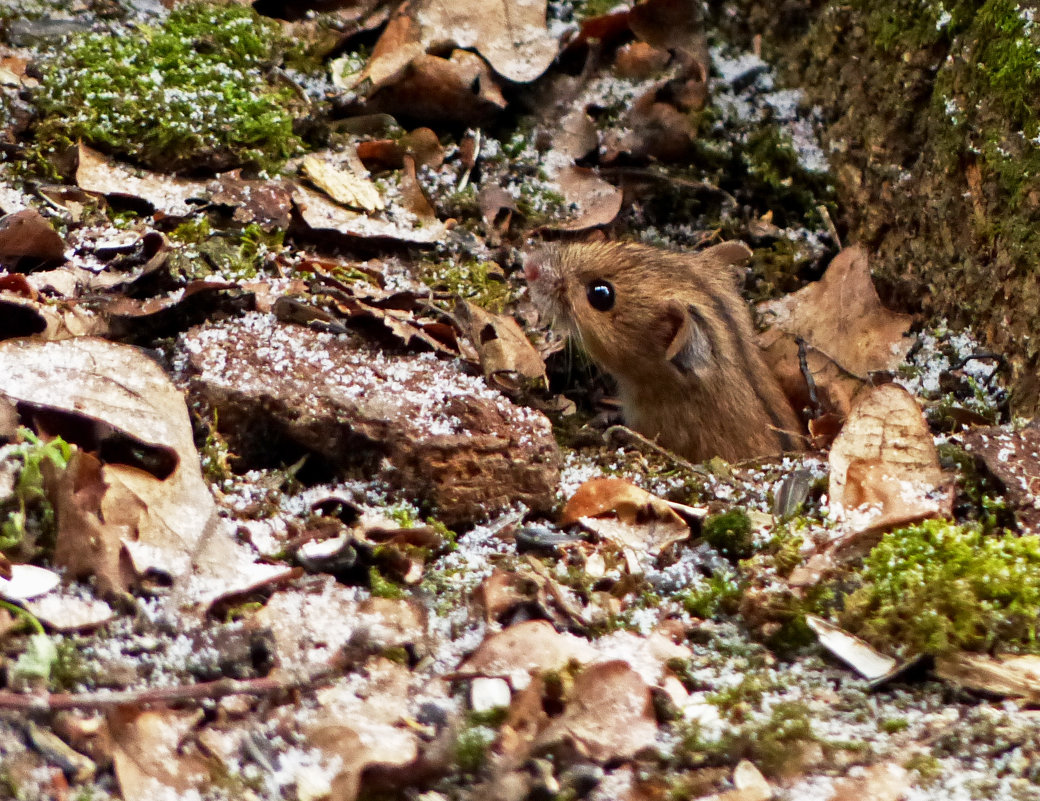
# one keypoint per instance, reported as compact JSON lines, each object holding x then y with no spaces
{"x":938,"y":587}
{"x":190,"y":93}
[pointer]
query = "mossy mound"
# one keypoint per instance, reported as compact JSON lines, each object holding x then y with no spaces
{"x":191,"y":94}
{"x":939,"y":587}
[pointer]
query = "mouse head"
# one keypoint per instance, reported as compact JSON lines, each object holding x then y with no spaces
{"x":642,"y":313}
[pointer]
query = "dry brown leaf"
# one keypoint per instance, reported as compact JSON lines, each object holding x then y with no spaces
{"x":321,"y":214}
{"x":86,"y":543}
{"x":149,"y":762}
{"x":505,"y":352}
{"x":457,"y":89}
{"x":533,"y":646}
{"x":154,"y":514}
{"x":644,"y":522}
{"x":597,"y":201}
{"x":884,"y":468}
{"x":608,"y":714}
{"x":54,"y":320}
{"x":413,"y":198}
{"x":672,"y":24}
{"x":510,"y":34}
{"x":396,"y":48}
{"x":1014,"y":676}
{"x":27,"y":235}
{"x":344,"y":186}
{"x":842,"y":316}
{"x":412,"y":332}
{"x":615,"y":496}
{"x":267,"y":203}
{"x":502,"y":591}
{"x":165,"y":193}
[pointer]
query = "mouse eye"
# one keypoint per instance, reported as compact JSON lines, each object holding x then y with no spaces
{"x":600,"y":295}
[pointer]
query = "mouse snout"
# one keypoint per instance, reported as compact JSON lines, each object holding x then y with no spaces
{"x":536,"y":266}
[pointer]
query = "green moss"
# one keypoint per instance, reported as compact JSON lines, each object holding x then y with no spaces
{"x":396,"y":653}
{"x":747,"y":693}
{"x":476,"y":281}
{"x":69,"y":670}
{"x":405,"y":516}
{"x":235,"y":255}
{"x":215,"y":455}
{"x":786,"y":547}
{"x":383,"y":587}
{"x":27,"y":517}
{"x":927,"y":767}
{"x":894,"y":725}
{"x":730,"y":534}
{"x":937,"y":587}
{"x":471,"y":747}
{"x":769,"y":742}
{"x":720,"y":593}
{"x":189,"y":93}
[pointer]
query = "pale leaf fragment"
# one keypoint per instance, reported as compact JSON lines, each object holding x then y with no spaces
{"x":856,"y":653}
{"x":510,"y":34}
{"x":626,"y":515}
{"x":146,"y":751}
{"x":165,"y":193}
{"x":1016,"y":676}
{"x":533,"y":646}
{"x":886,"y":781}
{"x":28,"y":581}
{"x":343,"y":186}
{"x":364,"y":729}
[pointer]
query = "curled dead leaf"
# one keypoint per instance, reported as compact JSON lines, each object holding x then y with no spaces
{"x":165,"y":193}
{"x":507,"y":357}
{"x":884,"y":468}
{"x":643,"y":522}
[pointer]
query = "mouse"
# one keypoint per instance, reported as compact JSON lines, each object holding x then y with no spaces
{"x":674,"y":332}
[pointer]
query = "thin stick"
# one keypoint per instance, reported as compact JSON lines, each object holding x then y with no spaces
{"x":208,"y":690}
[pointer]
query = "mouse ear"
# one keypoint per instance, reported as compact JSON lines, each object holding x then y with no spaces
{"x":689,"y":348}
{"x":734,"y":253}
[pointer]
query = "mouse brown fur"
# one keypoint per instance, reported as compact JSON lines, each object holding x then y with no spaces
{"x":676,"y":335}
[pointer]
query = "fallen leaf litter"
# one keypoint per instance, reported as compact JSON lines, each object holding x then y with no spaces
{"x":628,"y":660}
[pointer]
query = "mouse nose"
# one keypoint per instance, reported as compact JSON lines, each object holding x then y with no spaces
{"x":533,"y":267}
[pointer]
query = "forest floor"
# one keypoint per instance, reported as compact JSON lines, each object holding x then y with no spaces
{"x":300,"y":498}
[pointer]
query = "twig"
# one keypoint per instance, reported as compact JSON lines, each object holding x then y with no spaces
{"x":208,"y":690}
{"x":803,"y":362}
{"x":829,"y":224}
{"x":624,"y":433}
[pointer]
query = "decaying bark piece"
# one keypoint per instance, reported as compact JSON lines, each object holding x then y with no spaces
{"x":445,"y":436}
